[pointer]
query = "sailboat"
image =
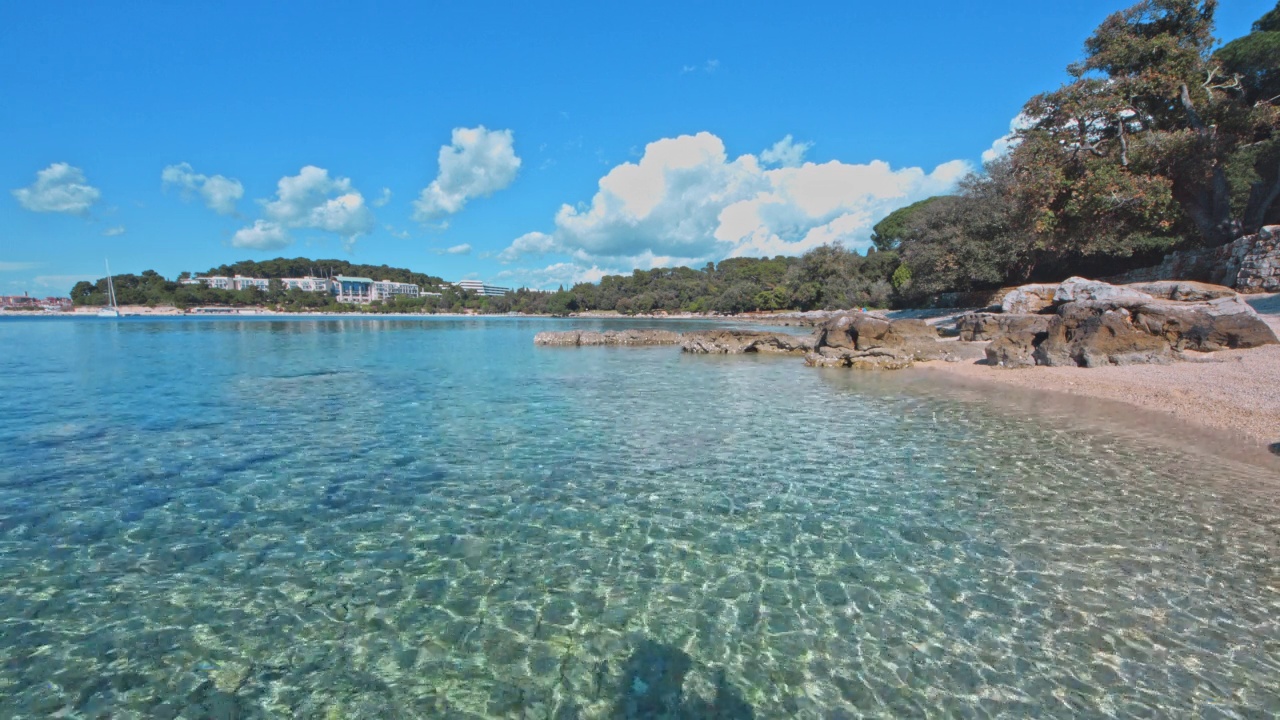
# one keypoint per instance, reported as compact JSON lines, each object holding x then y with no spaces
{"x":112,"y":310}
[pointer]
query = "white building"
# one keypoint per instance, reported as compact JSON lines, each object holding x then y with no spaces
{"x":307,"y":284}
{"x":222,"y":282}
{"x":480,"y":288}
{"x":389,"y":290}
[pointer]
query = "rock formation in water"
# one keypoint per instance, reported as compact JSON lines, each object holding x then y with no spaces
{"x":736,"y":342}
{"x":609,"y":337}
{"x":866,"y":341}
{"x":1088,"y":323}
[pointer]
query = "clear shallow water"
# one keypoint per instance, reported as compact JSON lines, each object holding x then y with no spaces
{"x":386,"y":518}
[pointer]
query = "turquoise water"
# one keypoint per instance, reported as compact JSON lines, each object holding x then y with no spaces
{"x":370,"y":518}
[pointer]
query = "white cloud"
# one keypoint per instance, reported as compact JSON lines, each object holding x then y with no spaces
{"x":1003,"y":144}
{"x":463,"y":249}
{"x":785,"y":153}
{"x":707,"y":67}
{"x":220,"y":193}
{"x":563,"y":273}
{"x":18,"y":266}
{"x":261,"y":235}
{"x":59,"y":188}
{"x":478,"y":163}
{"x":114,"y":231}
{"x":61,"y":282}
{"x":529,"y":244}
{"x":309,"y":200}
{"x":382,"y":199}
{"x":686,"y":202}
{"x":402,"y":234}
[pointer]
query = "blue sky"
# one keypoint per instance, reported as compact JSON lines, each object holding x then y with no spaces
{"x":576,"y":141}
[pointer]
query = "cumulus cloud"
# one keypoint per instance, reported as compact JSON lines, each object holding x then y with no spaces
{"x":478,"y":163}
{"x":686,"y":202}
{"x":382,"y":199}
{"x":219,"y":193}
{"x":59,"y":188}
{"x":564,"y":273}
{"x":1003,"y":144}
{"x":261,"y":235}
{"x":785,"y":153}
{"x":463,"y":249}
{"x":114,"y":231}
{"x":533,"y":243}
{"x":309,"y":200}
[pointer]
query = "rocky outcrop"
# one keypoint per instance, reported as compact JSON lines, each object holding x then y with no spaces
{"x":1096,"y":323}
{"x":1250,"y":264}
{"x":1260,"y":266}
{"x":609,"y":337}
{"x":865,"y":341}
{"x":983,"y":327}
{"x":1028,"y":299}
{"x":737,"y":342}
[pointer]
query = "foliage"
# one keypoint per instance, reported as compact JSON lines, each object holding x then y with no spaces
{"x":891,"y":231}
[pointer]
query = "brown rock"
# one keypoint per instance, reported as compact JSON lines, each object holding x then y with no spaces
{"x":1182,"y":290}
{"x":981,"y":327}
{"x":1220,"y":324}
{"x":1028,"y":299}
{"x":736,"y":342}
{"x":1088,"y":335}
{"x":1012,"y":351}
{"x":611,"y":337}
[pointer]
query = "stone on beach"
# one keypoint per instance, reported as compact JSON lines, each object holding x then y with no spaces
{"x":1096,"y":323}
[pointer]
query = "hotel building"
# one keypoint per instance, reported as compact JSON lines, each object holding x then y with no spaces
{"x":480,"y":288}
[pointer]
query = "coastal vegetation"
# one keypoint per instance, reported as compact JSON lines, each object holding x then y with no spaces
{"x":1155,"y":143}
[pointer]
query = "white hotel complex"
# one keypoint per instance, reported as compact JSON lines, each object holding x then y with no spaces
{"x":345,"y":289}
{"x":480,"y":288}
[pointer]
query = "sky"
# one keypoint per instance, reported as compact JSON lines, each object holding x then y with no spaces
{"x":524,"y":144}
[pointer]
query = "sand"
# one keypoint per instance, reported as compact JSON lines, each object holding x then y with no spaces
{"x":1234,"y":390}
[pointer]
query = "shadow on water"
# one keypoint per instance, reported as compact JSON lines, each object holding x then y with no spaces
{"x":653,"y":687}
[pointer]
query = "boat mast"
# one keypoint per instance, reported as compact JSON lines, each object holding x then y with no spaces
{"x":111,"y":288}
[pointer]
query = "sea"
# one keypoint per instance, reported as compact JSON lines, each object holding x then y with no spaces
{"x":358,"y":517}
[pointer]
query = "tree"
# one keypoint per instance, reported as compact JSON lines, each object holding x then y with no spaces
{"x":891,"y":231}
{"x":1132,"y":156}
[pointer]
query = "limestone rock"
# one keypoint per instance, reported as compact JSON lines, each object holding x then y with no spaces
{"x":982,"y":327}
{"x":1012,"y":351}
{"x":736,"y":342}
{"x":1102,"y":324}
{"x":610,"y":337}
{"x":1219,"y":324}
{"x":1080,"y":289}
{"x":863,"y":340}
{"x":1182,"y":290}
{"x":1091,"y":335}
{"x":1028,"y":299}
